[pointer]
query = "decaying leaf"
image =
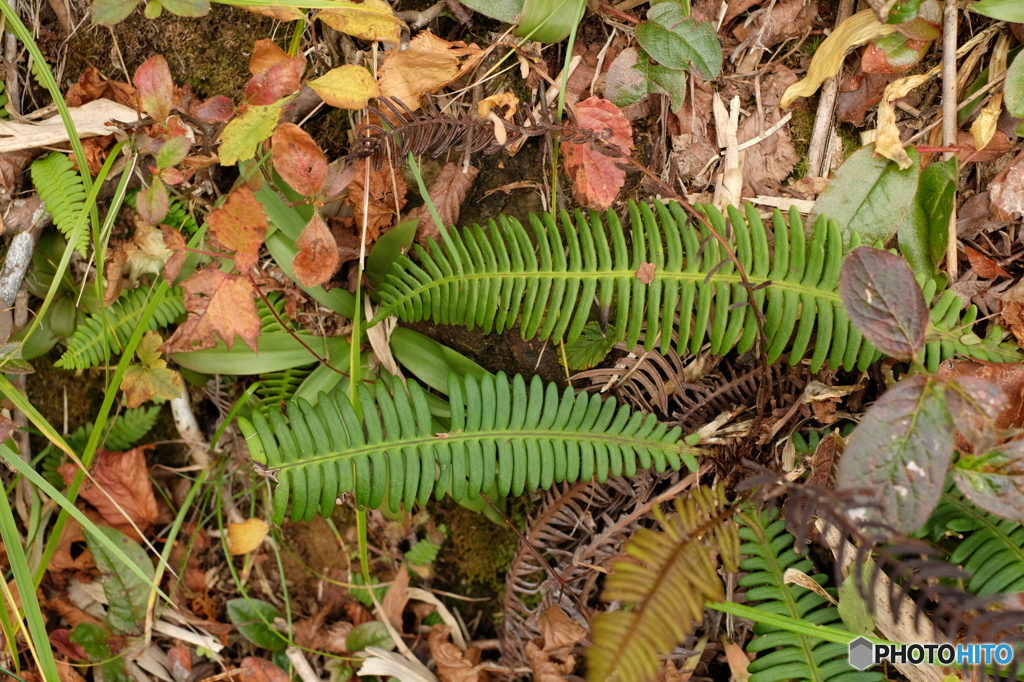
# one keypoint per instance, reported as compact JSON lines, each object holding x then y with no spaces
{"x":448,"y":192}
{"x":386,"y":196}
{"x":454,"y":665}
{"x":298,"y":159}
{"x":265,"y":53}
{"x":887,"y":138}
{"x":861,"y":28}
{"x":370,"y":20}
{"x":279,"y":80}
{"x":156,"y":89}
{"x":218,"y":304}
{"x":240,"y":225}
{"x":559,"y":632}
{"x":150,"y":377}
{"x":346,"y":87}
{"x":254,"y":669}
{"x":428,"y":65}
{"x":646,"y":272}
{"x":121,"y":479}
{"x":983,"y":265}
{"x":397,"y":596}
{"x":246,"y":536}
{"x":597,"y":178}
{"x":317,"y":259}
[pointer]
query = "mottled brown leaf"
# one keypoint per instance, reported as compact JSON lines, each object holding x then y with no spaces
{"x":298,"y":159}
{"x":218,"y":304}
{"x":454,"y":665}
{"x":176,"y":244}
{"x":317,"y":259}
{"x":646,"y":272}
{"x":121,"y":479}
{"x":597,"y":178}
{"x":280,"y":80}
{"x":239,"y":225}
{"x":384,"y":185}
{"x":254,"y":669}
{"x":448,"y":192}
{"x":983,"y":265}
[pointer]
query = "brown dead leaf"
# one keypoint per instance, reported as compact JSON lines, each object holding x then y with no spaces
{"x":453,"y":665}
{"x":11,"y":166}
{"x":1012,"y":311}
{"x":448,"y":193}
{"x":67,"y":672}
{"x":254,"y":669}
{"x":92,"y":86}
{"x":559,"y":631}
{"x":218,"y":304}
{"x":385,"y":184}
{"x":396,"y":598}
{"x":767,"y":164}
{"x":69,"y":555}
{"x":646,"y":272}
{"x":597,"y":178}
{"x":780,"y":21}
{"x":298,"y":159}
{"x":983,"y":265}
{"x":70,"y":613}
{"x":265,"y":53}
{"x":545,"y":667}
{"x":318,"y":258}
{"x":428,"y":65}
{"x":357,"y":613}
{"x":858,"y":93}
{"x":121,"y":479}
{"x":998,"y":147}
{"x":1007,"y":376}
{"x":7,"y":428}
{"x":239,"y":225}
{"x":737,"y":659}
{"x":1006,"y":191}
{"x":175,"y":242}
{"x":179,"y":663}
{"x":825,"y":460}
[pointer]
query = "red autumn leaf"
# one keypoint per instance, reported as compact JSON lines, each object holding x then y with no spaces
{"x":259,"y":670}
{"x":317,"y":259}
{"x":239,"y":225}
{"x":298,"y":159}
{"x":61,"y":641}
{"x":983,"y":265}
{"x":156,"y":89}
{"x":218,"y":303}
{"x":278,"y":81}
{"x":597,"y":177}
{"x":121,"y":480}
{"x":217,"y":109}
{"x":179,"y":662}
{"x":265,"y":53}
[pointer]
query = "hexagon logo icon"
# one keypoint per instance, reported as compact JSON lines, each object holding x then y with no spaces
{"x":861,"y":654}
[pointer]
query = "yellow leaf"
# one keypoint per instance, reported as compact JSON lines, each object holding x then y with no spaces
{"x":861,"y":28}
{"x":501,"y":99}
{"x":245,"y":537}
{"x":984,"y":127}
{"x":887,"y":137}
{"x":369,"y":20}
{"x":429,"y":64}
{"x":346,"y":87}
{"x":245,"y":132}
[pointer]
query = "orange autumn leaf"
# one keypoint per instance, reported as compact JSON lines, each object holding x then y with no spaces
{"x":239,"y":225}
{"x":218,"y":304}
{"x":597,"y":177}
{"x":119,"y":479}
{"x":382,"y":202}
{"x":317,"y":259}
{"x":298,"y":159}
{"x":279,"y":80}
{"x":428,"y":65}
{"x":983,"y":265}
{"x":265,"y":53}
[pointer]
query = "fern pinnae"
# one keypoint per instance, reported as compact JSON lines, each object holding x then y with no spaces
{"x":63,"y":193}
{"x":673,"y":573}
{"x":503,"y":433}
{"x":545,"y":278}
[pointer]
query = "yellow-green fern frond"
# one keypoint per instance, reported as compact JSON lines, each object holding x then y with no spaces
{"x":672,"y":574}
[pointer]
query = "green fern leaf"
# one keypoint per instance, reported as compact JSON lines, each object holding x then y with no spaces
{"x":423,"y":553}
{"x":671,"y":575}
{"x":279,"y":387}
{"x":991,"y":549}
{"x":87,"y":346}
{"x":549,"y":285}
{"x":502,"y":433}
{"x":63,"y":192}
{"x":782,"y":655}
{"x":128,"y":428}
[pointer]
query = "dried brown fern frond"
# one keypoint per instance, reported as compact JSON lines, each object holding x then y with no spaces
{"x":673,"y":572}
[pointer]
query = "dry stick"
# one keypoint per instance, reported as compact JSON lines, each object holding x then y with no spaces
{"x":822,"y":131}
{"x":949,"y":123}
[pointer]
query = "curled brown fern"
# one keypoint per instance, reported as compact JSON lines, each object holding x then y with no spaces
{"x":670,"y":576}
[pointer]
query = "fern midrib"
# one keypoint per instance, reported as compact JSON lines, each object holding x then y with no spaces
{"x":779,"y":573}
{"x":506,"y":434}
{"x":987,"y":523}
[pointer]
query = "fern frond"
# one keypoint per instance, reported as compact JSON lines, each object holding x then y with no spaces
{"x":991,"y":549}
{"x":63,"y":192}
{"x":86,"y":348}
{"x":500,"y":277}
{"x":128,"y":428}
{"x":278,"y":387}
{"x":768,"y":552}
{"x":501,"y":433}
{"x":672,"y":574}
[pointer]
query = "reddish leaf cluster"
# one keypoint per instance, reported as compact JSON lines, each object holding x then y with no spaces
{"x":597,"y":178}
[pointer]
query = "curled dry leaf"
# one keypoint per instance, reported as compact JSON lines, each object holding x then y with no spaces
{"x":265,"y":53}
{"x":121,"y":479}
{"x":384,"y":197}
{"x":448,"y":192}
{"x":318,"y":258}
{"x":597,"y":178}
{"x":239,"y":225}
{"x":454,"y":665}
{"x":559,"y":632}
{"x":298,"y":159}
{"x":887,"y":138}
{"x":428,"y":65}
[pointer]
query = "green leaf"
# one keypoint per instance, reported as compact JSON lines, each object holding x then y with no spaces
{"x":884,"y":300}
{"x":502,"y":10}
{"x":243,"y":133}
{"x":1004,"y":10}
{"x":869,"y":195}
{"x":369,"y":634}
{"x":363,"y":596}
{"x":995,"y":480}
{"x":173,"y":152}
{"x":127,"y":593}
{"x":388,"y":248}
{"x":187,"y":8}
{"x":853,"y":609}
{"x":253,"y":619}
{"x":903,"y":11}
{"x":548,"y":21}
{"x":632,"y":77}
{"x":423,"y":553}
{"x":1013,"y":88}
{"x":680,"y":43}
{"x":900,"y":453}
{"x":589,"y":349}
{"x":923,"y":236}
{"x":277,"y":350}
{"x":112,"y":11}
{"x":93,"y":638}
{"x":430,"y":361}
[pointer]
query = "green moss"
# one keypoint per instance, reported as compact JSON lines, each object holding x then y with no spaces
{"x":801,"y":126}
{"x":480,"y":551}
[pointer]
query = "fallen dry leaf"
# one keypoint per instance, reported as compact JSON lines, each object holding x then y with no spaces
{"x":767,"y":164}
{"x":396,"y":598}
{"x":998,"y":146}
{"x":246,"y":536}
{"x":737,"y":659}
{"x":454,"y":665}
{"x":119,"y":479}
{"x":179,"y":663}
{"x":1006,"y":191}
{"x":298,"y":159}
{"x":91,"y":86}
{"x":983,"y":265}
{"x":11,"y":166}
{"x":597,"y":178}
{"x":428,"y":65}
{"x":387,"y":190}
{"x":558,"y":630}
{"x":646,"y":272}
{"x":448,"y":193}
{"x":150,"y":377}
{"x":1012,"y":311}
{"x":783,"y":20}
{"x":546,"y":668}
{"x":218,"y":304}
{"x":887,"y":136}
{"x":239,"y":225}
{"x":1007,"y":376}
{"x":265,"y":53}
{"x":176,"y":243}
{"x":317,"y":259}
{"x":279,"y":80}
{"x":254,"y":669}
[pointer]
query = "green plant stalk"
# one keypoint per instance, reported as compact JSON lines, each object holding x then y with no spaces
{"x":580,"y":6}
{"x":40,"y":641}
{"x":296,"y":42}
{"x":414,"y":168}
{"x":364,"y":554}
{"x":235,"y":409}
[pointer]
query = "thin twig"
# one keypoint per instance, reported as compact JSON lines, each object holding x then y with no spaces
{"x":949,"y":122}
